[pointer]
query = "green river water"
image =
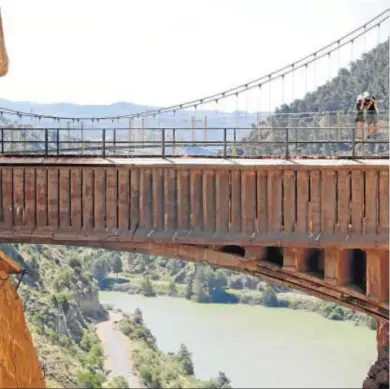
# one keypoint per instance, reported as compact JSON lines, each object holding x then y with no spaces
{"x":257,"y":346}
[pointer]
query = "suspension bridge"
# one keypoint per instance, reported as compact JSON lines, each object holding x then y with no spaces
{"x":314,"y":224}
{"x":295,"y":196}
{"x":205,"y":128}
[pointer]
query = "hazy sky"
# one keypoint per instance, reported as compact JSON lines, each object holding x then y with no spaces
{"x":161,"y":51}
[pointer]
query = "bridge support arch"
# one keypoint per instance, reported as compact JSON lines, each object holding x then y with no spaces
{"x":293,"y":274}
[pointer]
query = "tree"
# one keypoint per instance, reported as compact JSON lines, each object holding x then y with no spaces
{"x":173,"y":266}
{"x":270,"y":299}
{"x":138,"y":317}
{"x":185,"y":359}
{"x":63,"y":301}
{"x":100,"y":271}
{"x":208,"y":279}
{"x":39,"y":320}
{"x":188,"y":293}
{"x":74,"y":263}
{"x":199,"y":294}
{"x":118,"y":382}
{"x":221,"y":382}
{"x":89,"y":381}
{"x":117,"y":265}
{"x":236,"y":283}
{"x":220,"y":280}
{"x":172,"y":288}
{"x":147,"y":288}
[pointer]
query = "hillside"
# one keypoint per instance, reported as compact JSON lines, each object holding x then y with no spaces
{"x":371,"y":73}
{"x":157,"y":369}
{"x":61,"y":304}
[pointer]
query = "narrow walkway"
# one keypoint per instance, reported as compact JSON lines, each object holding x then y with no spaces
{"x":117,"y":349}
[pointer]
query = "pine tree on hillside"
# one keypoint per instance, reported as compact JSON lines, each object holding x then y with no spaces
{"x":370,"y":72}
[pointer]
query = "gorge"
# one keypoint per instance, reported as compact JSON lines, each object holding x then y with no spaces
{"x":223,"y":323}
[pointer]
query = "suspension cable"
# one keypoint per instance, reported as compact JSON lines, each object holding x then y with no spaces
{"x":249,"y":85}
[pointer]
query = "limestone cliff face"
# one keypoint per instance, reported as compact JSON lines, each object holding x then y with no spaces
{"x":19,"y":364}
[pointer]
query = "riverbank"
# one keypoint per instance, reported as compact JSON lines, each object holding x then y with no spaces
{"x":118,"y":350}
{"x":131,"y":352}
{"x":253,"y":344}
{"x":136,"y":284}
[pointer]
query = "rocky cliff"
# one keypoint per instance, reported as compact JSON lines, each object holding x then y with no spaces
{"x":61,"y":305}
{"x":20,"y":366}
{"x":378,"y":375}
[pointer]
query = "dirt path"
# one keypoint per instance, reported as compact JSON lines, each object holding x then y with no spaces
{"x":117,"y":348}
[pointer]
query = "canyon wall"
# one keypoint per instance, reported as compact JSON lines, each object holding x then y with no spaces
{"x":378,"y":375}
{"x":19,"y":363}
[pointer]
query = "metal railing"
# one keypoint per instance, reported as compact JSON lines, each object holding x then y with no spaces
{"x":261,"y":142}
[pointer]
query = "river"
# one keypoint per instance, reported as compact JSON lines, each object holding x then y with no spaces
{"x":257,"y":346}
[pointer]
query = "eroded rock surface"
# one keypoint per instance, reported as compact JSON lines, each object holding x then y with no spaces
{"x":378,"y":375}
{"x":19,"y":364}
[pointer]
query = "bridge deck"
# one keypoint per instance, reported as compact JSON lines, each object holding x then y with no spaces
{"x":266,"y":202}
{"x":197,"y":162}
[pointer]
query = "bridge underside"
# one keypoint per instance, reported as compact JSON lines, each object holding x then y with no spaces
{"x":317,"y":226}
{"x":354,"y":278}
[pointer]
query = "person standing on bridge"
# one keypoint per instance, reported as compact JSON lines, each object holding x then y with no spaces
{"x":359,"y":119}
{"x":371,"y":108}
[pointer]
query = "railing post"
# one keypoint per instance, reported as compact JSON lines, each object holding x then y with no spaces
{"x":130,"y":136}
{"x":2,"y":141}
{"x":58,"y":141}
{"x":46,"y":142}
{"x":234,"y":148}
{"x":193,"y":130}
{"x":205,"y":130}
{"x":104,"y":142}
{"x":163,"y":142}
{"x":286,"y":154}
{"x":12,"y":140}
{"x":224,"y":142}
{"x":25,"y":139}
{"x":354,"y":142}
{"x":82,"y":137}
{"x":114,"y":142}
{"x":174,"y":141}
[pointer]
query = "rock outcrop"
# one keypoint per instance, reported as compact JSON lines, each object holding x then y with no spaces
{"x":3,"y":52}
{"x":19,"y":363}
{"x":378,"y":375}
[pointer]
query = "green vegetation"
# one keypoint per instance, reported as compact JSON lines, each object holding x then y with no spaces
{"x":369,"y":73}
{"x":117,"y":383}
{"x":152,"y":276}
{"x":60,"y":295}
{"x":60,"y":298}
{"x":157,"y":369}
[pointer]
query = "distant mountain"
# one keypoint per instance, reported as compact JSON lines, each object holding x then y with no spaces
{"x":75,"y":110}
{"x":182,"y":120}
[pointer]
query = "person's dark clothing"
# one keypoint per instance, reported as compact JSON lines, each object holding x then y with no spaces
{"x":371,"y":114}
{"x":360,"y":113}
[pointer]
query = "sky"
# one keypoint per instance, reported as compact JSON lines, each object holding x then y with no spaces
{"x":162,"y":52}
